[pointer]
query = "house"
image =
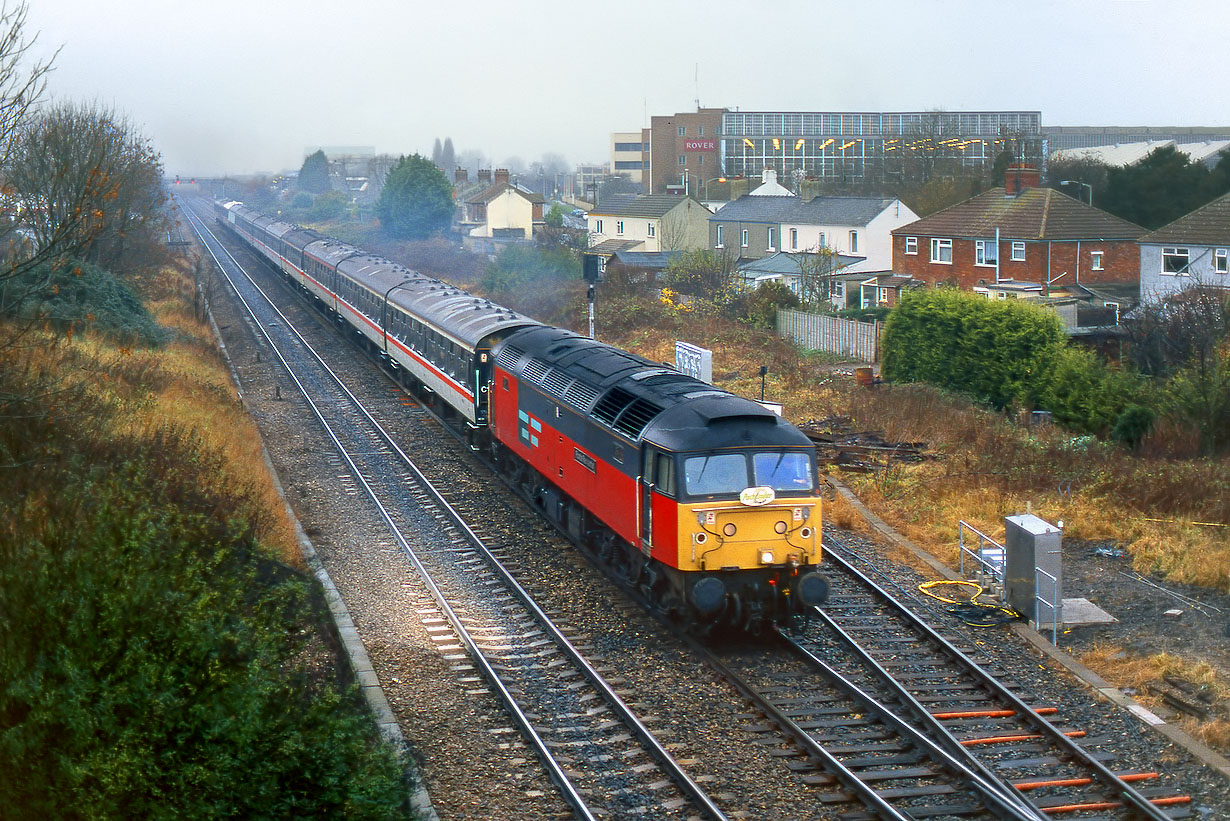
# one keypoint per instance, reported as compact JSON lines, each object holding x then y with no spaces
{"x":809,"y":276}
{"x":755,"y":226}
{"x":1020,"y":233}
{"x":1192,"y":250}
{"x":503,"y":211}
{"x":647,"y":222}
{"x":749,"y":227}
{"x":884,"y":289}
{"x":859,"y":226}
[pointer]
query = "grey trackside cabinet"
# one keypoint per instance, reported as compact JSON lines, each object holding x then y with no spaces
{"x":1033,"y":569}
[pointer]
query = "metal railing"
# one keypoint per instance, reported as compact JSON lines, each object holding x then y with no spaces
{"x":1054,"y":604}
{"x":989,"y":566}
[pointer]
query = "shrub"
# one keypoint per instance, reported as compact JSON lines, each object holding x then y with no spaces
{"x":74,"y":296}
{"x":998,"y":352}
{"x":1133,"y":424}
{"x":1084,"y":394}
{"x":759,"y":307}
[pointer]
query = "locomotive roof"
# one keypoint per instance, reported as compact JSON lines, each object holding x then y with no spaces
{"x":640,"y":398}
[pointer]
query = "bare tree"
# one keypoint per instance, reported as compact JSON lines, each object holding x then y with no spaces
{"x":818,"y":271}
{"x":87,"y":185}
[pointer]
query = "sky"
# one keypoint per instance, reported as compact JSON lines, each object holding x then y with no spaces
{"x":245,"y":86}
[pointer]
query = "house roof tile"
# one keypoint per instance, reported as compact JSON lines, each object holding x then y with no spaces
{"x":1036,"y":214}
{"x":644,"y":205}
{"x":836,"y":210}
{"x":1208,"y":225}
{"x":755,"y":209}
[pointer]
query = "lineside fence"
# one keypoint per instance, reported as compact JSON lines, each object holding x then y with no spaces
{"x":820,"y":332}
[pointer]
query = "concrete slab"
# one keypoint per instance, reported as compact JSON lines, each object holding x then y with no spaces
{"x":1082,"y":612}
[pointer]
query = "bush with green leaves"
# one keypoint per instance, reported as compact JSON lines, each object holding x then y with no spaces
{"x":998,"y":352}
{"x":152,"y":655}
{"x":519,"y":266}
{"x":759,"y":307}
{"x":1082,"y":393}
{"x":74,"y":296}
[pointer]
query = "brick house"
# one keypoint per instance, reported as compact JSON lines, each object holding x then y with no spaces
{"x":1019,"y":234}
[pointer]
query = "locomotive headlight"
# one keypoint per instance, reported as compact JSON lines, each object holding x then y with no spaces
{"x":766,"y":557}
{"x":780,"y":527}
{"x":805,"y":533}
{"x":729,"y":529}
{"x":701,"y":538}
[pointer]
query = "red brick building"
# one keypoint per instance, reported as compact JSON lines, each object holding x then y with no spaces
{"x":1044,"y":237}
{"x":683,"y":152}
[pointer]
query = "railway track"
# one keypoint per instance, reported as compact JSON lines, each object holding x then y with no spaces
{"x":863,"y":750}
{"x":604,"y":761}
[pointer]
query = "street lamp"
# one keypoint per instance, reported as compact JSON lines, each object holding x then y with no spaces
{"x":1078,"y":182}
{"x":706,"y":185}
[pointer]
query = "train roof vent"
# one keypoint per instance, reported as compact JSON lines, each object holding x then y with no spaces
{"x":535,"y":370}
{"x":509,"y":356}
{"x":610,"y":405}
{"x":699,"y":394}
{"x":557,"y":382}
{"x":655,"y":372}
{"x":636,"y":416}
{"x":581,"y":394}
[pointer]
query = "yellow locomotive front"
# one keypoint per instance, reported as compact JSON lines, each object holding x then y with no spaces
{"x":749,"y":532}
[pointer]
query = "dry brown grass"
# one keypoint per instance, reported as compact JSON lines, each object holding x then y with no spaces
{"x":1138,"y":672}
{"x":185,"y":386}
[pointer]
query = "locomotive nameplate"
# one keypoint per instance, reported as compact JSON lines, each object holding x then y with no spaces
{"x":585,"y":460}
{"x":757,"y":496}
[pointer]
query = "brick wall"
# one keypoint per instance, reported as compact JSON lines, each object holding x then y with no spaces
{"x":1120,"y":262}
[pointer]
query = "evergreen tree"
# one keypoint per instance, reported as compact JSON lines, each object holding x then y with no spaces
{"x":448,"y":159}
{"x":417,"y":199}
{"x":437,"y":153}
{"x":314,"y":175}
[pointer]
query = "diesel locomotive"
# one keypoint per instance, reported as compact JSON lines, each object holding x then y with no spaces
{"x":704,"y":501}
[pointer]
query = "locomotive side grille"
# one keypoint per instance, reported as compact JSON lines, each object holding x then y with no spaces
{"x":581,"y":395}
{"x":509,"y":357}
{"x":557,"y":382}
{"x":636,"y":416}
{"x":535,"y":370}
{"x":609,"y":406}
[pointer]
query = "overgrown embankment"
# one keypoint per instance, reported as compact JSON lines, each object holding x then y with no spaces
{"x":161,"y":651}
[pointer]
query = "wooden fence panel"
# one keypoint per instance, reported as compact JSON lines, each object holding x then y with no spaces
{"x":820,"y":332}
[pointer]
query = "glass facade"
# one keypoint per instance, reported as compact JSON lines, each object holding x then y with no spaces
{"x":882,"y":146}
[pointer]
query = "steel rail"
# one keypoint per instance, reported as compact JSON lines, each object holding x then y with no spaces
{"x":672,"y":767}
{"x":1128,"y":794}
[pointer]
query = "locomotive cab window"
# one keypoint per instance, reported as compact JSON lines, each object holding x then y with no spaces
{"x":784,"y":471}
{"x":715,"y":474}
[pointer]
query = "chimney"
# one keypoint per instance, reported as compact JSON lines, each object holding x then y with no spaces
{"x":769,"y":175}
{"x":1019,"y":177}
{"x":460,"y":176}
{"x":484,"y":175}
{"x":501,"y":176}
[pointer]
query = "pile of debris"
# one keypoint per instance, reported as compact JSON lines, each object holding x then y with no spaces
{"x":861,"y":451}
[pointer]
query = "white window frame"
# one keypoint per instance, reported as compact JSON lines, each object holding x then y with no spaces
{"x":823,"y":244}
{"x":1177,"y":252}
{"x":1095,"y":261}
{"x":721,"y":230}
{"x":683,"y":159}
{"x":911,"y":246}
{"x":683,"y":131}
{"x":651,"y":230}
{"x":1018,"y":252}
{"x":597,"y":226}
{"x":794,"y":239}
{"x":881,"y":295}
{"x":981,"y":246}
{"x":619,"y":228}
{"x":1221,"y":261}
{"x":854,"y":242}
{"x":938,"y":246}
{"x":772,"y":237}
{"x":743,"y":238}
{"x":700,"y":131}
